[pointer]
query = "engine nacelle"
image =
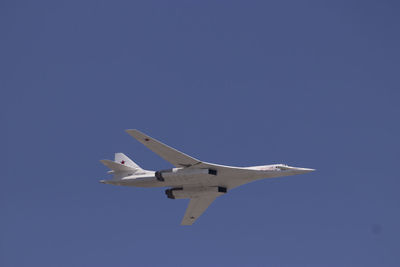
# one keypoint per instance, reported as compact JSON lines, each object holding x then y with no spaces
{"x":179,"y":173}
{"x":179,"y":192}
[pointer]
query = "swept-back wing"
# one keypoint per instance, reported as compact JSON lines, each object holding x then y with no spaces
{"x":170,"y":154}
{"x":195,"y":208}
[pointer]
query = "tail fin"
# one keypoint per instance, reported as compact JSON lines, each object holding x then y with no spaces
{"x":121,"y":164}
{"x":124,"y":160}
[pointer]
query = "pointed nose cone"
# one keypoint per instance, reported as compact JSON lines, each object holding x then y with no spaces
{"x":304,"y":170}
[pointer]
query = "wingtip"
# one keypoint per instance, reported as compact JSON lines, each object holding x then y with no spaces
{"x":134,"y":133}
{"x":138,"y":135}
{"x":131,"y":130}
{"x":186,"y":223}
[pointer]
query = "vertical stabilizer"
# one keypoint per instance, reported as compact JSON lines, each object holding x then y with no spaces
{"x":122,"y":165}
{"x":121,"y":158}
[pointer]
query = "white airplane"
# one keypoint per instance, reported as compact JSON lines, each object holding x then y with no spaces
{"x":199,"y":181}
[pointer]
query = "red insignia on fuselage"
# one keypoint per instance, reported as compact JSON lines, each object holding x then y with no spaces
{"x":123,"y":162}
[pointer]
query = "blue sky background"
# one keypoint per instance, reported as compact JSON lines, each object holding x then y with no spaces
{"x":307,"y":83}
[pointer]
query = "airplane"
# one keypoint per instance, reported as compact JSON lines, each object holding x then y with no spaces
{"x":193,"y":179}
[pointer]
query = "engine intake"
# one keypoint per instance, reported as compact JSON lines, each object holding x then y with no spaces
{"x":169,"y":192}
{"x":159,"y":177}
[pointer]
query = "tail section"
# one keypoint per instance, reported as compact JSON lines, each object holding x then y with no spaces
{"x":116,"y":167}
{"x":124,"y":160}
{"x":122,"y":166}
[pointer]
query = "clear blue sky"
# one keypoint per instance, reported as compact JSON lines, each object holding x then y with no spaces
{"x":307,"y":83}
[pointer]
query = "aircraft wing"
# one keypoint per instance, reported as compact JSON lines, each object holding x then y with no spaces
{"x":175,"y":157}
{"x":195,"y":208}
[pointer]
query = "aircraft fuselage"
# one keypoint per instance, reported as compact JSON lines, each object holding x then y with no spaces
{"x":214,"y":175}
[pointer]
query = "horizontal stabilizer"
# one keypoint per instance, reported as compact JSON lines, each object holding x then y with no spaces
{"x":117,"y":167}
